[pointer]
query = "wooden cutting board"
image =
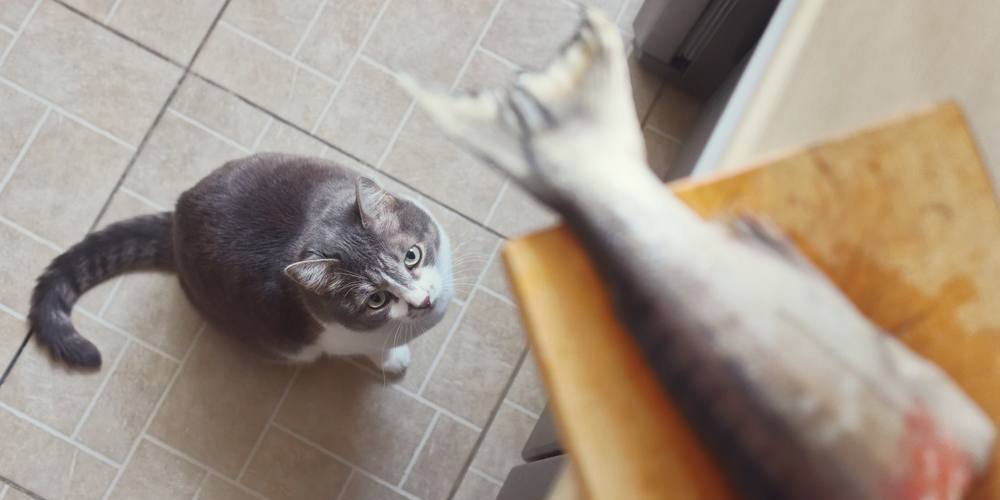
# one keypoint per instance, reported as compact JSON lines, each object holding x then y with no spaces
{"x":902,"y":217}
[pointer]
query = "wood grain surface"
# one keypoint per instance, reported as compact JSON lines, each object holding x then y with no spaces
{"x":902,"y":217}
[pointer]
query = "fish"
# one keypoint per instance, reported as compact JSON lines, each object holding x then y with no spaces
{"x":792,"y":389}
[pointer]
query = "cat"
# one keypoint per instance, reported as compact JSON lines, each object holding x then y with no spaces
{"x":297,"y":257}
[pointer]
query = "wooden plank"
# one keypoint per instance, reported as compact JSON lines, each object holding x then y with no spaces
{"x":902,"y":217}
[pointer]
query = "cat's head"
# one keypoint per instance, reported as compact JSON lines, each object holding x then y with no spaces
{"x":376,"y":261}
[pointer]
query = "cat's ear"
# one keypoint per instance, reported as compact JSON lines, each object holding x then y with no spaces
{"x":315,"y":275}
{"x":374,"y":203}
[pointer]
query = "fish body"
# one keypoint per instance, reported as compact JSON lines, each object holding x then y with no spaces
{"x":796,"y":393}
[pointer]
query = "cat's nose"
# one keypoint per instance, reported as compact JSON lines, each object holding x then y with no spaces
{"x":426,"y":304}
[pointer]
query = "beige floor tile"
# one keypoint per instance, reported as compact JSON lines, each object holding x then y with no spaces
{"x":172,"y":28}
{"x":12,"y":332}
{"x":13,"y":12}
{"x":518,"y":214}
{"x":439,"y":465}
{"x":264,"y":77}
{"x":285,"y":467}
{"x":157,"y":473}
{"x":475,"y":487}
{"x":485,"y":71}
{"x":528,"y":390}
{"x":366,"y":112}
{"x":220,"y":111}
{"x":69,"y":171}
{"x":485,"y":348}
{"x":424,"y":349}
{"x":660,"y":151}
{"x":123,"y":206}
{"x":348,"y":411}
{"x":177,"y":156}
{"x":220,"y":403}
{"x":5,"y":40}
{"x":19,"y":114}
{"x":337,"y":34}
{"x":125,"y":404}
{"x":530,"y":32}
{"x":471,"y":247}
{"x":501,"y":448}
{"x":153,"y":307}
{"x":364,"y":488}
{"x":611,"y":8}
{"x":50,"y":466}
{"x":215,"y":488}
{"x":282,"y":138}
{"x":644,"y":87}
{"x":495,"y":278}
{"x":22,"y":259}
{"x":429,"y":39}
{"x":13,"y":494}
{"x":49,"y":391}
{"x":674,"y":112}
{"x":278,"y":24}
{"x":98,"y":9}
{"x":425,"y":159}
{"x":78,"y":65}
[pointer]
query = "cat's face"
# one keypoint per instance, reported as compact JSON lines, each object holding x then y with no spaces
{"x":381,"y":264}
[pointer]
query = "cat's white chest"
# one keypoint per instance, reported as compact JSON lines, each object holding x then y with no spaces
{"x":338,"y":340}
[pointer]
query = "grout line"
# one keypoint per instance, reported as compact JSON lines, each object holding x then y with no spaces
{"x":13,"y":313}
{"x":207,"y":130}
{"x":10,"y":485}
{"x":348,"y":154}
{"x":496,"y":202}
{"x":420,"y":447}
{"x":20,"y":30}
{"x":343,"y":489}
{"x":395,"y":135}
{"x":24,"y":149}
{"x":488,"y":291}
{"x":112,"y":11}
{"x":501,"y":59}
{"x":68,"y":114}
{"x":201,"y":486}
{"x":159,"y":115}
{"x":13,"y":33}
{"x":270,"y":48}
{"x":111,"y":326}
{"x":119,"y":33}
{"x":207,"y":469}
{"x":141,"y":198}
{"x":662,"y":134}
{"x":152,"y":414}
{"x":59,"y":435}
{"x":356,"y":468}
{"x":458,"y":320}
{"x":270,"y":421}
{"x":263,"y":132}
{"x":521,"y":409}
{"x":486,"y":477}
{"x":350,"y":67}
{"x":25,"y":231}
{"x":111,"y":296}
{"x":377,"y":65}
{"x":17,"y":354}
{"x":377,"y":374}
{"x":309,"y":28}
{"x":489,"y":422}
{"x":652,"y":105}
{"x":100,"y":390}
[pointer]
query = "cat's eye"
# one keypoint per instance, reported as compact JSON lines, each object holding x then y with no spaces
{"x":378,"y":300}
{"x":412,"y":257}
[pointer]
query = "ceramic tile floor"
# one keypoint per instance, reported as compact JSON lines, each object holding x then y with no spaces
{"x":111,"y":108}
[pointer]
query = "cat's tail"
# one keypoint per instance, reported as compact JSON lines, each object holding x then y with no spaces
{"x":144,"y":242}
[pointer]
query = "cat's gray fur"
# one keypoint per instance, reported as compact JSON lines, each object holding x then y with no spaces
{"x":280,"y":251}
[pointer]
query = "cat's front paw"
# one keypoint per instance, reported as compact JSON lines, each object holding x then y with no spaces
{"x":393,"y":361}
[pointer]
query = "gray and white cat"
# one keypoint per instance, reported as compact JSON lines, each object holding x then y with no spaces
{"x":298,"y":257}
